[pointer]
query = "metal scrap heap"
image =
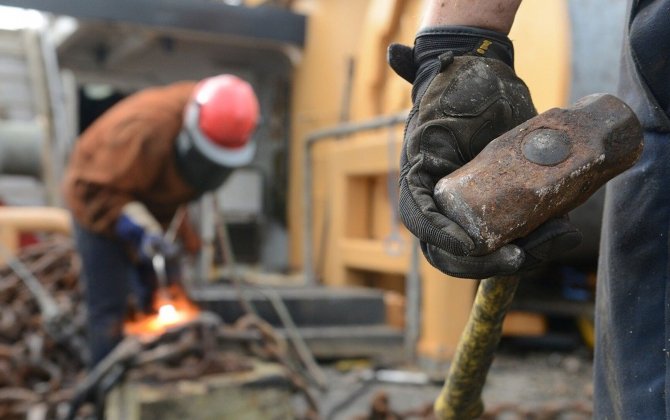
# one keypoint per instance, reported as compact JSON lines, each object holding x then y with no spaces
{"x":37,"y":372}
{"x":43,"y":358}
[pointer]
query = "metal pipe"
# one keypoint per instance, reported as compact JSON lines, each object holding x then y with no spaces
{"x":31,"y":219}
{"x":339,"y":130}
{"x":21,"y":148}
{"x":45,"y":301}
{"x":175,"y":224}
{"x":303,"y":352}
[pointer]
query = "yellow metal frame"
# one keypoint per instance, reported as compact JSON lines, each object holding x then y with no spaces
{"x":350,"y":197}
{"x":16,"y":220}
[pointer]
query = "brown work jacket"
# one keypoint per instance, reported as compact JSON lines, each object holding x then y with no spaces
{"x":126,"y":155}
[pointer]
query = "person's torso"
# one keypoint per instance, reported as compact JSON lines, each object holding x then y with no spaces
{"x":128,"y":154}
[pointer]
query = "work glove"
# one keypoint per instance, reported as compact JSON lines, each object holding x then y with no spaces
{"x":137,"y":227}
{"x":153,"y":244}
{"x":465,"y":94}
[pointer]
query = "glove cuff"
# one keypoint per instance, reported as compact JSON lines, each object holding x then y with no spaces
{"x":461,"y":40}
{"x":431,"y":44}
{"x":419,"y":64}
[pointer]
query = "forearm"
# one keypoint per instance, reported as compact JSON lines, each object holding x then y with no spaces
{"x":494,"y":15}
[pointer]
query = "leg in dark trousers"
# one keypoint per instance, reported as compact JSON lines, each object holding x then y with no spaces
{"x":106,"y":270}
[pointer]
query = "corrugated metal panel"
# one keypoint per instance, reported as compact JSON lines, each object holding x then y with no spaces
{"x":16,"y":97}
{"x":24,"y":105}
{"x":16,"y":88}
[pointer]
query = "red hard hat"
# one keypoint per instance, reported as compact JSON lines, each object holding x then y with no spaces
{"x":228,"y":111}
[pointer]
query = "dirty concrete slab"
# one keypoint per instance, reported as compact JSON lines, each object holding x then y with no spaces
{"x":530,"y":381}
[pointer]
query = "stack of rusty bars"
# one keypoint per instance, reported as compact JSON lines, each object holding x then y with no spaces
{"x":37,"y":369}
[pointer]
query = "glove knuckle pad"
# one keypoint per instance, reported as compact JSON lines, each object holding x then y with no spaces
{"x":471,"y":91}
{"x":478,"y":100}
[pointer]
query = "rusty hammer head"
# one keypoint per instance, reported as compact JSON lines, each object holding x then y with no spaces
{"x":541,"y":169}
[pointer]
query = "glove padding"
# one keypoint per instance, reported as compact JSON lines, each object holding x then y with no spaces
{"x":465,"y":94}
{"x":545,"y":243}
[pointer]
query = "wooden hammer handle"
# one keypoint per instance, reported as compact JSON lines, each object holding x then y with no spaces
{"x":460,"y":398}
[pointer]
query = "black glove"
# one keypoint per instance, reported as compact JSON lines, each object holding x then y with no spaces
{"x":465,"y":94}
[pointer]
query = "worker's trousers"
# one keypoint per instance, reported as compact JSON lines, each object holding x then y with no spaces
{"x":108,"y":276}
{"x":632,"y":355}
{"x":633,"y":293}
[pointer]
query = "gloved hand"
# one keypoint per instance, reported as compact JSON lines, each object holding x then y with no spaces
{"x":140,"y":229}
{"x":465,"y":94}
{"x":153,"y":244}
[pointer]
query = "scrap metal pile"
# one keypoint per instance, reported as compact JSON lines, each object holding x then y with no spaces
{"x":186,"y":351}
{"x":37,"y":372}
{"x":43,"y":358}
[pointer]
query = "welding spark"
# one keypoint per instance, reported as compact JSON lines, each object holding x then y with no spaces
{"x":167,"y":314}
{"x":171,"y":312}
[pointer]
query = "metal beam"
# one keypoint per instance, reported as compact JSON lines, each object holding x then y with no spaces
{"x":260,"y":23}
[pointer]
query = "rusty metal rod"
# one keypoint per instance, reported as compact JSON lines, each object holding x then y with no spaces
{"x":460,"y":398}
{"x":47,"y":303}
{"x":121,"y":356}
{"x":300,"y":346}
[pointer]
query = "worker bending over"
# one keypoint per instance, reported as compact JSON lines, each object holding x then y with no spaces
{"x":132,"y":169}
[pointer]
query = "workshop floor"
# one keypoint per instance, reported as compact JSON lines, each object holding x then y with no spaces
{"x":535,"y":382}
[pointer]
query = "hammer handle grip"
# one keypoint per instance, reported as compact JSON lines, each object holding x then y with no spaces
{"x":460,"y":398}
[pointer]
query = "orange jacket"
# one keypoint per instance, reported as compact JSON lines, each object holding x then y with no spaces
{"x":126,"y":155}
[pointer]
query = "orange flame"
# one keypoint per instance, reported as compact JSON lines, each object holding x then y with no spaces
{"x":172,"y":308}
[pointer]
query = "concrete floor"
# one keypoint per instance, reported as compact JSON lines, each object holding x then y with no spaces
{"x":528,"y":381}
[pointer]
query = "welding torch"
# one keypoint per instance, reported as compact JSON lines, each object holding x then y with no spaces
{"x":158,"y":260}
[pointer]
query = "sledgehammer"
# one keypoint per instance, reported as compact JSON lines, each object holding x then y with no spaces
{"x":537,"y":171}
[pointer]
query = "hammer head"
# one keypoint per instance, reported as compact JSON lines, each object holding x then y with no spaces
{"x":541,"y":169}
